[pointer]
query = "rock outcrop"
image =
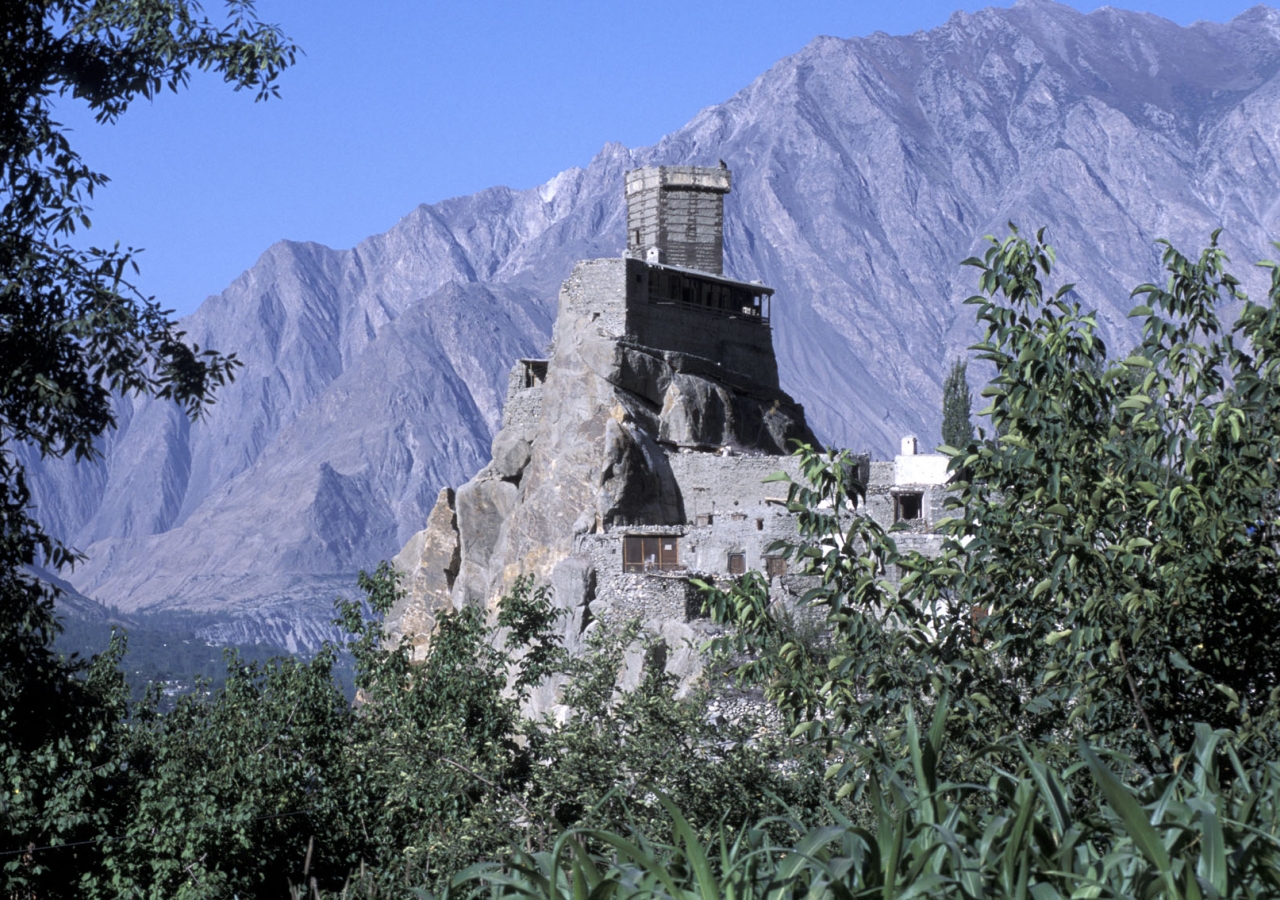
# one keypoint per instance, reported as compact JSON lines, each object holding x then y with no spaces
{"x":597,"y":448}
{"x":431,"y":559}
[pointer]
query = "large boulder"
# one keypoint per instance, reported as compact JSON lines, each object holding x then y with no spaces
{"x":428,"y":565}
{"x":483,"y":507}
{"x":636,"y":482}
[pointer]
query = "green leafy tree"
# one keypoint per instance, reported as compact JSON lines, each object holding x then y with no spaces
{"x":1106,"y":596}
{"x":1118,"y":542}
{"x":73,"y":331}
{"x":957,"y":427}
{"x":1110,"y":567}
{"x":275,"y":783}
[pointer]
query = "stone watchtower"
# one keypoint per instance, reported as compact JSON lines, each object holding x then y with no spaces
{"x":635,"y":456}
{"x":675,"y":216}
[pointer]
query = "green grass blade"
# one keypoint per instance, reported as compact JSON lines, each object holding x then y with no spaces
{"x":708,"y":884}
{"x":1050,"y":790}
{"x":637,"y":856}
{"x":1212,"y":865}
{"x":1135,"y":820}
{"x":804,"y":852}
{"x":925,"y":766}
{"x":889,"y":865}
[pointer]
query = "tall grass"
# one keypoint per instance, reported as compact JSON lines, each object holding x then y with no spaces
{"x":1084,"y":831}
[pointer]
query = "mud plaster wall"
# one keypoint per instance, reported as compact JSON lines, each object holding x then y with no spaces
{"x":726,"y":484}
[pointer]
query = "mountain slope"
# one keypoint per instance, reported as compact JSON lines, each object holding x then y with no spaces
{"x":865,"y":170}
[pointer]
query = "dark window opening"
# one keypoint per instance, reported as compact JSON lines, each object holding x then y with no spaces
{"x":535,"y":372}
{"x":759,"y":524}
{"x":737,"y":563}
{"x":775,"y":565}
{"x":650,"y":553}
{"x":668,"y":287}
{"x":908,"y":506}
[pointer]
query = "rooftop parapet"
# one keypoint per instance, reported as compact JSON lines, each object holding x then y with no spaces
{"x":675,"y":216}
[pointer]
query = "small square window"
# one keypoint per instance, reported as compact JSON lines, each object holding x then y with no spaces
{"x":737,"y":563}
{"x":775,"y":566}
{"x":908,"y":506}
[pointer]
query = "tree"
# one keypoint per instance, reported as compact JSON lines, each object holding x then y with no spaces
{"x":1110,"y":568}
{"x":73,"y":332}
{"x":957,"y":427}
{"x":1106,"y":594}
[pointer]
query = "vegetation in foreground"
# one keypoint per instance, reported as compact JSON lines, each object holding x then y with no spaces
{"x":1094,"y":650}
{"x":276,"y":780}
{"x":1078,"y":698}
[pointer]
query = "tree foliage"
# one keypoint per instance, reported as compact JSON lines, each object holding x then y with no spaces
{"x":1106,"y":597}
{"x":275,"y":782}
{"x":1109,"y":569}
{"x":73,"y":331}
{"x":957,"y":404}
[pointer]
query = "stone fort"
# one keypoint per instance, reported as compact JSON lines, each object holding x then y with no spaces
{"x":634,"y":457}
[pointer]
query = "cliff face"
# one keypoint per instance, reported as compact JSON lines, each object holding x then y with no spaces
{"x":621,"y":435}
{"x":865,"y":170}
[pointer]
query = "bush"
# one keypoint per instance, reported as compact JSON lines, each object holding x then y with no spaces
{"x":1106,"y":595}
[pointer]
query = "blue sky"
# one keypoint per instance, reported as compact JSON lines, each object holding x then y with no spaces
{"x":401,"y":102}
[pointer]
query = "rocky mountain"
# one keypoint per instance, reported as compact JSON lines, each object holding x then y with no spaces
{"x":865,"y":170}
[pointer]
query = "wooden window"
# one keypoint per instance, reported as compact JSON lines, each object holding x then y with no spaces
{"x":668,"y":553}
{"x":650,"y":553}
{"x":535,"y":372}
{"x":737,"y":563}
{"x":908,"y":506}
{"x":775,"y":565}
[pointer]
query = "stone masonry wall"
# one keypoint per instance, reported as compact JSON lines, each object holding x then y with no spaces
{"x":879,"y":501}
{"x":596,"y":291}
{"x":612,"y":294}
{"x":522,"y":408}
{"x":722,"y":484}
{"x":621,"y":596}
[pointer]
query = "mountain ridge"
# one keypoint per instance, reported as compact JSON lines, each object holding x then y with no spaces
{"x":865,"y":170}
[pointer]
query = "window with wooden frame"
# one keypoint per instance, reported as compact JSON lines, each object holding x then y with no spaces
{"x":535,"y":372}
{"x":908,"y":505}
{"x":737,"y":563}
{"x":650,"y":552}
{"x":775,"y":565}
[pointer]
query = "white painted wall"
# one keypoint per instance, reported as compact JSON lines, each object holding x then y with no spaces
{"x":922,"y":468}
